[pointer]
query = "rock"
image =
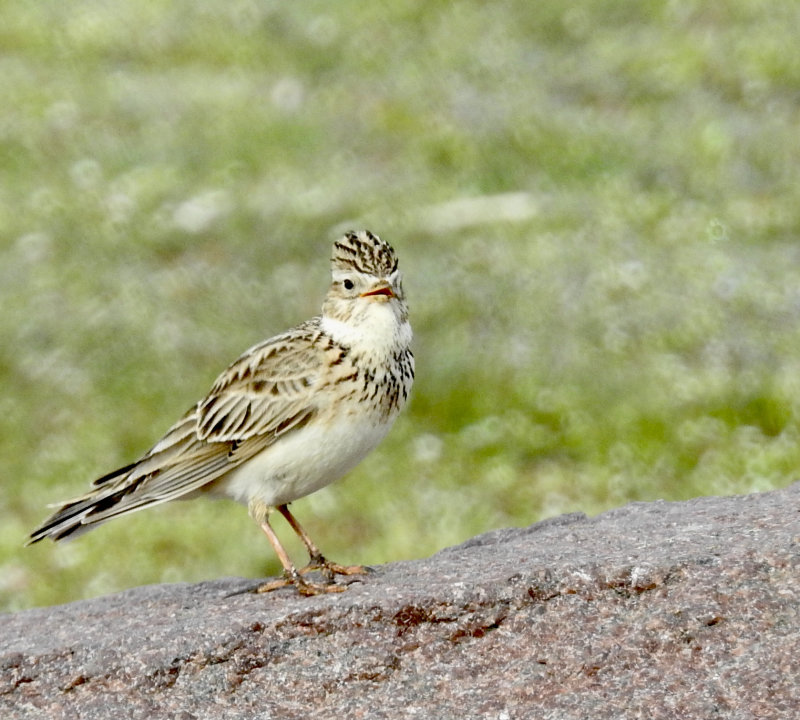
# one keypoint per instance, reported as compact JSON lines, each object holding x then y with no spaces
{"x":654,"y":610}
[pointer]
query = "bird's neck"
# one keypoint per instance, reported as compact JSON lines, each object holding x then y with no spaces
{"x":375,"y":333}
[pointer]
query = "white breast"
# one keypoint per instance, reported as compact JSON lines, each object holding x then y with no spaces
{"x":303,"y":461}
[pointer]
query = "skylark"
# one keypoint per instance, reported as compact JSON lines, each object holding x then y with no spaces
{"x":290,"y":416}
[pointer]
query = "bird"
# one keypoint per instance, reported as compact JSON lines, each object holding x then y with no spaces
{"x":291,"y":415}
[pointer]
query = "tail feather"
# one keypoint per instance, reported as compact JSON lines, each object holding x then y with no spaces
{"x":114,"y":475}
{"x":176,"y":467}
{"x":75,"y":516}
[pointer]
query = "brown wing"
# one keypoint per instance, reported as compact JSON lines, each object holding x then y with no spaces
{"x":266,"y":393}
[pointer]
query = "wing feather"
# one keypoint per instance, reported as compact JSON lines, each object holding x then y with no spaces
{"x":266,"y":393}
{"x":265,"y":389}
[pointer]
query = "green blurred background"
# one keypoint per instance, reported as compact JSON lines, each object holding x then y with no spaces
{"x":596,"y":205}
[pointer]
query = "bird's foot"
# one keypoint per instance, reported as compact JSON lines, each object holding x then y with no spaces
{"x":303,"y":586}
{"x":330,"y":569}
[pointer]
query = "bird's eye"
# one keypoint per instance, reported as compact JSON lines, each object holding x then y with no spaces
{"x":348,"y":284}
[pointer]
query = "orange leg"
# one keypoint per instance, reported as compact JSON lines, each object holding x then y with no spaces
{"x":290,"y":574}
{"x":259,"y":511}
{"x":318,"y":562}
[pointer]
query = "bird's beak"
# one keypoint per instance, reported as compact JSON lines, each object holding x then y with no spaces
{"x":382,"y":289}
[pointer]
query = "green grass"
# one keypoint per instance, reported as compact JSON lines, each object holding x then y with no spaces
{"x":623,"y":323}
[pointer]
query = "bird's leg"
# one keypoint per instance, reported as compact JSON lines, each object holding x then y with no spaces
{"x":318,"y":562}
{"x":260,"y":513}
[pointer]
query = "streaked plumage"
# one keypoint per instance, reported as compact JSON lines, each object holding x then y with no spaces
{"x":291,"y":415}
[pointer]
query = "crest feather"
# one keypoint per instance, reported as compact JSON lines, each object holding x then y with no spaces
{"x":364,"y":252}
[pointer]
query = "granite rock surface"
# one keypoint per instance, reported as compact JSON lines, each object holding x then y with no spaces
{"x":654,"y":610}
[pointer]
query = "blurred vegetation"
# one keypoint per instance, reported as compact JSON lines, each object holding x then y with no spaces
{"x":596,"y":206}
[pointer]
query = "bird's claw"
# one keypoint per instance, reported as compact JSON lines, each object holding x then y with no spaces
{"x":330,"y":569}
{"x":303,"y":586}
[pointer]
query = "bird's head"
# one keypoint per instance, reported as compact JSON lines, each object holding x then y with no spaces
{"x":364,"y":276}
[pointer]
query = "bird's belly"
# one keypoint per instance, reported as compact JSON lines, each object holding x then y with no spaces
{"x":302,"y":462}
